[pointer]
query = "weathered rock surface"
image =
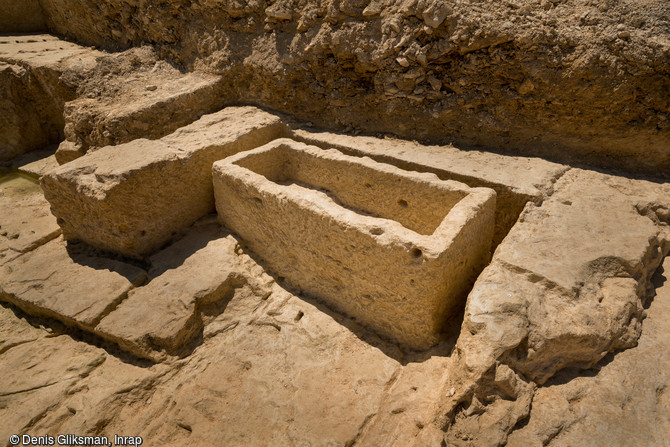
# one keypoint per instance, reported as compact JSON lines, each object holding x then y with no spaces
{"x":25,"y":219}
{"x":406,"y":415}
{"x":302,"y":373}
{"x":36,"y":163}
{"x":565,"y":288}
{"x":15,"y":332}
{"x":133,"y":95}
{"x":37,"y":377}
{"x":573,"y":80}
{"x":133,"y":198}
{"x":623,"y":402}
{"x":54,"y":384}
{"x":191,"y":281}
{"x":33,"y":90}
{"x":295,"y":371}
{"x":75,"y":288}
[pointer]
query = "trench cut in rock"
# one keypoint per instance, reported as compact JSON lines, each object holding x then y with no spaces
{"x":133,"y":198}
{"x":395,"y":249}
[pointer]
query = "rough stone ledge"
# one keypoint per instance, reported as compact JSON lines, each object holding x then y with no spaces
{"x":75,"y":288}
{"x":92,"y":123}
{"x":191,"y":282}
{"x":25,"y":219}
{"x":566,"y":287}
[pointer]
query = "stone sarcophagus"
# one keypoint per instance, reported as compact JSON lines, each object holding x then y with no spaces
{"x":396,"y":250}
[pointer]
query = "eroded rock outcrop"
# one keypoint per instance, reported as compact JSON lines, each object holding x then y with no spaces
{"x":33,"y":92}
{"x":567,"y":286}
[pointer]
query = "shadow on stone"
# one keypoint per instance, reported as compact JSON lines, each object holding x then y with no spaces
{"x":390,"y":348}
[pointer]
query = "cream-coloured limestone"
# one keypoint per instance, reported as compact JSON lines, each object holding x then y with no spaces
{"x":163,"y":316}
{"x":36,"y":163}
{"x":133,"y":198}
{"x":567,"y":286}
{"x":92,"y":123}
{"x":46,"y":52}
{"x":25,"y":220}
{"x":626,"y":403}
{"x":278,"y":381}
{"x":74,"y":288}
{"x":14,"y":331}
{"x":395,"y":249}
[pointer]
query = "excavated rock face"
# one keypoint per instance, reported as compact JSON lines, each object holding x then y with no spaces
{"x":569,"y":286}
{"x":36,"y":80}
{"x":206,"y":340}
{"x":574,"y":80}
{"x":22,"y":16}
{"x":30,"y":116}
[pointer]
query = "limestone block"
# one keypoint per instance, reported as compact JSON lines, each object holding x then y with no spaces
{"x":164,"y":315}
{"x":74,"y":288}
{"x":133,"y":198}
{"x":25,"y":219}
{"x":395,"y":249}
{"x":91,"y":123}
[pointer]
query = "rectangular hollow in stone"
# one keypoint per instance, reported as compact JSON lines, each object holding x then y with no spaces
{"x":396,"y":250}
{"x":134,"y":197}
{"x":516,"y":180}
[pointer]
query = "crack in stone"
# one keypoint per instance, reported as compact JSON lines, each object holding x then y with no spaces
{"x":27,"y":390}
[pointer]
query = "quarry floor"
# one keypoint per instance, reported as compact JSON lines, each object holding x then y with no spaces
{"x":563,"y":339}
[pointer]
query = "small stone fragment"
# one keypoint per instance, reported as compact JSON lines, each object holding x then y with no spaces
{"x":402,"y":61}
